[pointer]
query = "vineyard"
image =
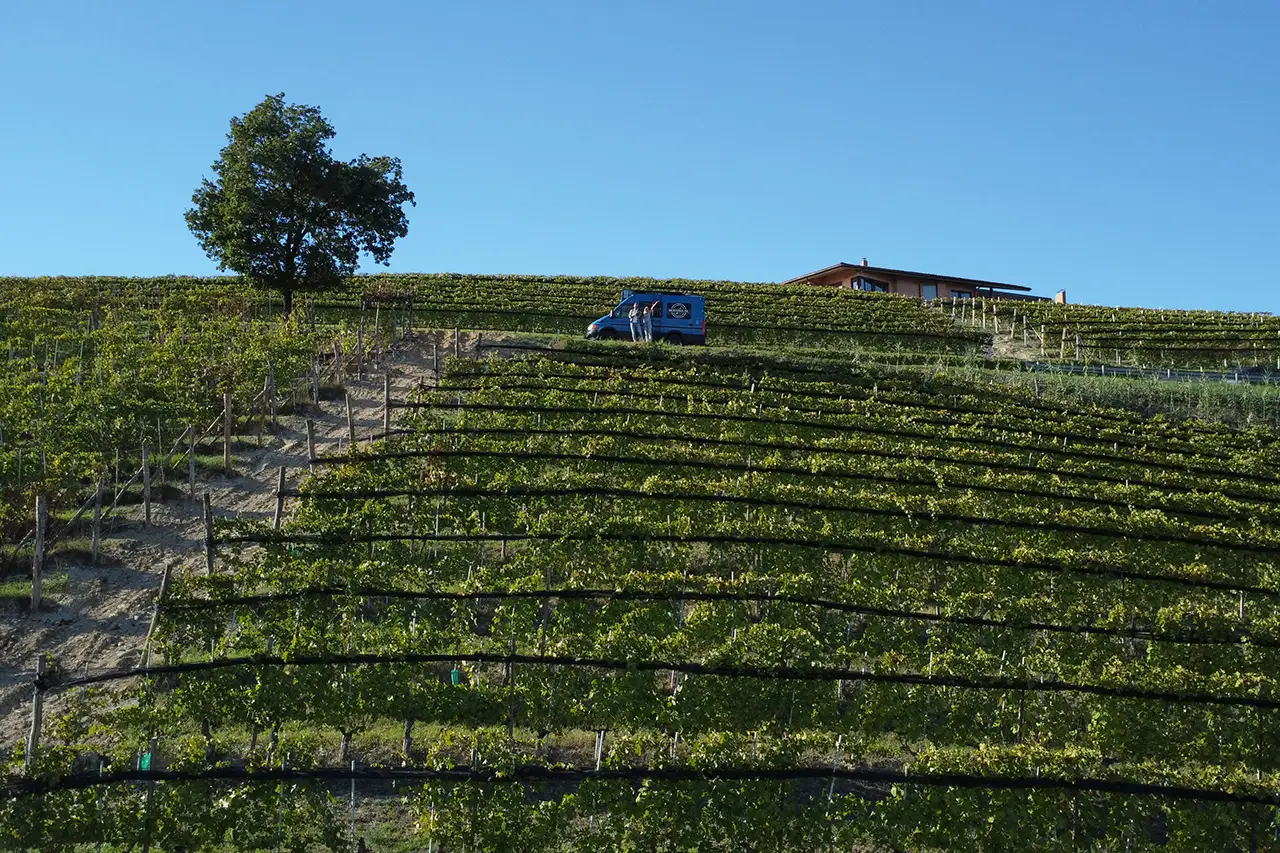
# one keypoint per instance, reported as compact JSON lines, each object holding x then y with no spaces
{"x":85,"y":382}
{"x":1138,"y":337}
{"x":739,"y":314}
{"x":584,"y":599}
{"x":831,"y":583}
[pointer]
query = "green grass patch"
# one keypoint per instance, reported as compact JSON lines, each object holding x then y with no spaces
{"x":19,"y":589}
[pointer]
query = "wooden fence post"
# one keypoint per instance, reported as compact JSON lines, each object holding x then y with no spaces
{"x":311,"y":444}
{"x":97,"y":523}
{"x":208,"y":534}
{"x":226,"y":433}
{"x":351,"y":424}
{"x":386,"y":404}
{"x":191,"y":463}
{"x":275,"y":399}
{"x":37,"y":716}
{"x":275,"y":522}
{"x":360,"y":345}
{"x":37,"y":559}
{"x":262,"y":409}
{"x":457,"y":343}
{"x":146,"y":486}
{"x":165,"y":580}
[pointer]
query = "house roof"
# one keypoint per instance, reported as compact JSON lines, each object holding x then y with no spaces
{"x":975,"y":282}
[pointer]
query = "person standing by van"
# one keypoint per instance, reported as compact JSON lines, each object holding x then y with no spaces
{"x":637,"y":331}
{"x":646,"y":321}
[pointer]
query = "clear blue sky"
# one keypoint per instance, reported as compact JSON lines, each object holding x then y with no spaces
{"x":1125,"y":151}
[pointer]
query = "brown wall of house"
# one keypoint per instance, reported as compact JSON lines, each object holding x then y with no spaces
{"x":904,"y":284}
{"x":911,"y":285}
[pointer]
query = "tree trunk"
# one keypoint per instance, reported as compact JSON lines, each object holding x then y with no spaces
{"x":287,"y":293}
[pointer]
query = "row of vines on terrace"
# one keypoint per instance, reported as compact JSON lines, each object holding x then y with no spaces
{"x":592,"y":603}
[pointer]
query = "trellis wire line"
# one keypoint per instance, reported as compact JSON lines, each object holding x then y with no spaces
{"x":687,"y":595}
{"x":1112,"y":572}
{"x":538,"y":773}
{"x":932,"y":515}
{"x":876,"y":452}
{"x":895,"y":386}
{"x":867,"y":429}
{"x":793,"y":470}
{"x":500,"y":385}
{"x":781,"y":673}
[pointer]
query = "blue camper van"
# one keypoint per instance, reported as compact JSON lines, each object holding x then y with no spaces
{"x":678,"y":318}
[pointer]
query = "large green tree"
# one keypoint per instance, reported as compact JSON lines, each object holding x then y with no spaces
{"x":285,"y":214}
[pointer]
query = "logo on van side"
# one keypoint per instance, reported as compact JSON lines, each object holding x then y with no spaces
{"x":678,"y":310}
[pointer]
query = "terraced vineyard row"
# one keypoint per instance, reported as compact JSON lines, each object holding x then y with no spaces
{"x":631,"y":606}
{"x":738,"y":313}
{"x":1142,"y":337}
{"x":81,"y":385}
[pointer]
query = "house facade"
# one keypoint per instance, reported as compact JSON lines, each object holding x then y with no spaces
{"x":918,"y":284}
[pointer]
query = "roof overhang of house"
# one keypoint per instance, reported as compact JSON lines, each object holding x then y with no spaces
{"x":873,"y":271}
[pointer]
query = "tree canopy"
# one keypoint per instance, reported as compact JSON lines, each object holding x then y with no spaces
{"x":287,"y":215}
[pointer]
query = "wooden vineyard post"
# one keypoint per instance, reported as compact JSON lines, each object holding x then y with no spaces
{"x":311,"y":444}
{"x":208,"y":534}
{"x":97,"y":524}
{"x":37,"y":559}
{"x":479,"y":346}
{"x":37,"y":717}
{"x":351,"y":424}
{"x":360,"y":344}
{"x":435,"y":360}
{"x":165,"y":580}
{"x":457,"y":343}
{"x":226,"y":433}
{"x":275,"y":399}
{"x":146,"y":486}
{"x":353,"y":804}
{"x":191,"y":462}
{"x":262,"y":410}
{"x":386,"y":404}
{"x":275,"y":522}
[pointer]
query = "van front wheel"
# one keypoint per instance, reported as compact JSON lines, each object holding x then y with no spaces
{"x":606,"y":335}
{"x":675,"y":338}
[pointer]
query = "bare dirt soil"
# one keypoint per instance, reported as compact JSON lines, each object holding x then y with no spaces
{"x":101,"y":619}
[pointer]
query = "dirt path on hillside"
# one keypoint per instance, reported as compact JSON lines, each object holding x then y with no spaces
{"x":102,"y":617}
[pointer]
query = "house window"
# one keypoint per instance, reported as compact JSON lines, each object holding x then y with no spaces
{"x":869,"y":285}
{"x":961,"y":294}
{"x":929,"y":291}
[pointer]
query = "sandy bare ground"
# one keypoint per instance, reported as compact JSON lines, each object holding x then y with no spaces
{"x":101,"y":619}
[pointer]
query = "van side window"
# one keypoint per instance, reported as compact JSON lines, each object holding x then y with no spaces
{"x":657,"y":308}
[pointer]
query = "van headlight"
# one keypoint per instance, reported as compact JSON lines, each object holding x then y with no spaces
{"x":591,"y":328}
